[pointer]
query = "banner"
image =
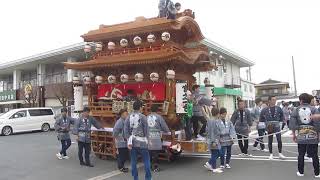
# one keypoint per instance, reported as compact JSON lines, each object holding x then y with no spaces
{"x":181,"y":97}
{"x":145,"y":91}
{"x":78,"y":98}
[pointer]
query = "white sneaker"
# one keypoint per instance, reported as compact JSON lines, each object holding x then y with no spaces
{"x":218,"y":171}
{"x":59,"y":156}
{"x":300,"y":175}
{"x":208,"y":166}
{"x":222,"y":167}
{"x":228,"y":166}
{"x":271,"y":157}
{"x":248,"y":155}
{"x":200,"y":138}
{"x":65,"y":157}
{"x":307,"y":159}
{"x":241,"y":155}
{"x":255,"y":149}
{"x":281,"y":156}
{"x":265,"y":150}
{"x":317,"y":176}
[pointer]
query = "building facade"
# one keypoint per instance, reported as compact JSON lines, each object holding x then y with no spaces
{"x":273,"y":88}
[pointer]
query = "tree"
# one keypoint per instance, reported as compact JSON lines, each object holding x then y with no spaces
{"x":61,"y":94}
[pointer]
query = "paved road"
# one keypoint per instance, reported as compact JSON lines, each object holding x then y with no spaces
{"x":31,"y":156}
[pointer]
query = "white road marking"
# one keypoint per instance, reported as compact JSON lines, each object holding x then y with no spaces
{"x":111,"y":174}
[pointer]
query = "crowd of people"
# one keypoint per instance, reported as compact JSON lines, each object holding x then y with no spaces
{"x":136,"y":134}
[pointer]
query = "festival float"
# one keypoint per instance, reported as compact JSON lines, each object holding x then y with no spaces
{"x":155,"y":58}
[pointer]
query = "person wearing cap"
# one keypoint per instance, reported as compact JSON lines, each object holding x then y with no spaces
{"x":156,"y":125}
{"x":62,"y":127}
{"x":83,"y":131}
{"x":137,"y":132}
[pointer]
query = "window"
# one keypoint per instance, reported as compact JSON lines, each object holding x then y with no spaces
{"x":251,"y":88}
{"x":264,"y":91}
{"x":245,"y":87}
{"x":40,"y":112}
{"x":19,"y":114}
{"x":275,"y":91}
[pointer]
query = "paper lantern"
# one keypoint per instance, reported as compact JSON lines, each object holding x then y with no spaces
{"x":98,"y":47}
{"x":76,"y":80}
{"x":87,"y":48}
{"x":99,"y":79}
{"x":124,"y":78}
{"x":87,"y":80}
{"x":170,"y":74}
{"x":206,"y":81}
{"x":151,"y":38}
{"x":138,"y":77}
{"x":165,"y":36}
{"x":111,"y":45}
{"x":154,"y":77}
{"x":137,"y":40}
{"x":112,"y":79}
{"x":124,"y":43}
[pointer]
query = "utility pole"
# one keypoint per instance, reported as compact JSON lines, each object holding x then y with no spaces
{"x":294,"y":78}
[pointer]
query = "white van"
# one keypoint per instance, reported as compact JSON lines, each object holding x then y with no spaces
{"x":26,"y":119}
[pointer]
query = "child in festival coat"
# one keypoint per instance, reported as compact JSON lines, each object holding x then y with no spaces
{"x":213,"y":138}
{"x":156,"y":125}
{"x":227,"y":135}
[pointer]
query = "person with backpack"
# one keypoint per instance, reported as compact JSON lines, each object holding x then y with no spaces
{"x":156,"y":125}
{"x":62,"y":127}
{"x":83,"y":131}
{"x":241,"y":119}
{"x":137,"y":132}
{"x":227,"y":135}
{"x":120,"y":140}
{"x":307,"y":137}
{"x":273,"y":117}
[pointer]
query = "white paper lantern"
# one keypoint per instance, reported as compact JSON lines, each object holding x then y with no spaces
{"x":138,"y":77}
{"x":111,"y":45}
{"x":87,"y":80}
{"x":78,"y":98}
{"x":124,"y":78}
{"x":112,"y":79}
{"x":151,"y":38}
{"x":154,"y":77}
{"x":170,"y":74}
{"x":98,"y":47}
{"x":99,"y":79}
{"x":137,"y":40}
{"x":76,"y":80}
{"x":87,"y":48}
{"x":165,"y":36}
{"x":206,"y":81}
{"x":124,"y":43}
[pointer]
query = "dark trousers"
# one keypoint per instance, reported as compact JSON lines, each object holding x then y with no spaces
{"x":65,"y":144}
{"x":154,"y":157}
{"x":187,"y":129}
{"x":312,"y":150}
{"x":87,"y":149}
{"x":122,"y":157}
{"x":261,"y":133}
{"x":224,"y":150}
{"x":195,"y":120}
{"x":270,"y":141}
{"x":215,"y":153}
{"x":243,"y":143}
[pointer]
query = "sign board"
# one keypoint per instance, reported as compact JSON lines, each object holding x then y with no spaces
{"x":181,"y":98}
{"x":8,"y":96}
{"x":78,"y":98}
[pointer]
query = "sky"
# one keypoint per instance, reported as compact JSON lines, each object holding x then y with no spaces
{"x":268,"y":32}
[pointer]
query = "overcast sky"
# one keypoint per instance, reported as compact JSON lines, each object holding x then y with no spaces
{"x":267,"y":32}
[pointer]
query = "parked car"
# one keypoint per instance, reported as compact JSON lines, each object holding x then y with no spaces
{"x":27,"y":119}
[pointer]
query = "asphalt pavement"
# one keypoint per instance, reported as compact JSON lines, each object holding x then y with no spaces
{"x":31,"y":156}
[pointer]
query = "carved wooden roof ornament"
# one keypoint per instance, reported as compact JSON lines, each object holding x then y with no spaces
{"x":146,"y":41}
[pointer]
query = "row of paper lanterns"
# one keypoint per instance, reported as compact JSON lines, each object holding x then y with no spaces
{"x":137,"y":40}
{"x":154,"y":77}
